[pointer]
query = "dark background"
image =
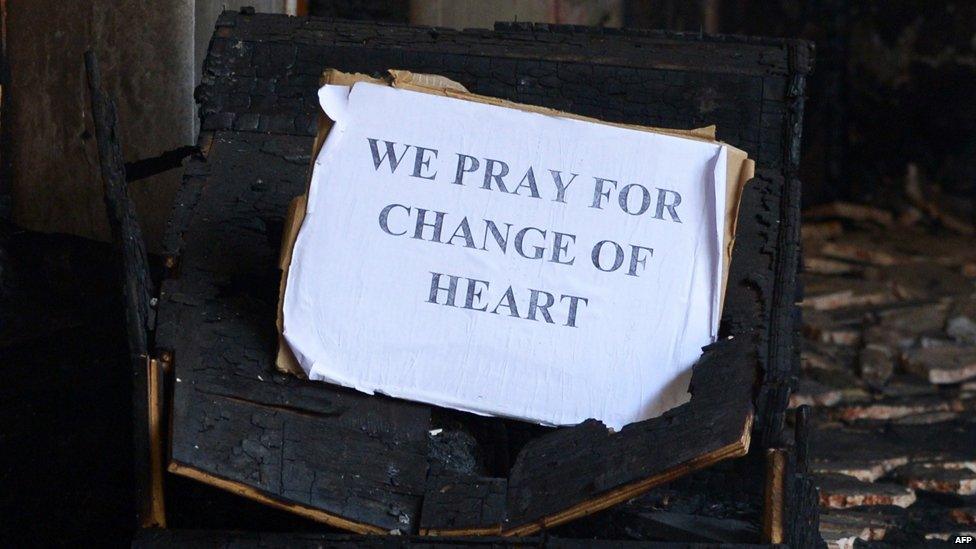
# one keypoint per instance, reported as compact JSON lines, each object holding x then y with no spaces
{"x":893,"y":87}
{"x":893,"y":84}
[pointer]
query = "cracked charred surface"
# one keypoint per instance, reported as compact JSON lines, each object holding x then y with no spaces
{"x":234,"y":416}
{"x":362,"y":462}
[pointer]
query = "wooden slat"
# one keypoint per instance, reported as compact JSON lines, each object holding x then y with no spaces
{"x":194,"y":539}
{"x":249,"y":492}
{"x":464,"y":506}
{"x":136,"y":288}
{"x":775,"y":504}
{"x":156,"y":516}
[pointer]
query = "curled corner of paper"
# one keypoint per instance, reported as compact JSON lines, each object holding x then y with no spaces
{"x":402,"y":78}
{"x":334,"y":100}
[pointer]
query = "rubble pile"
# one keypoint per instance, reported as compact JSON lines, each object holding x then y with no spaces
{"x":889,"y":365}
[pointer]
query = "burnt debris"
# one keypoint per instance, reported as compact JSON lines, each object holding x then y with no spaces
{"x":890,"y":365}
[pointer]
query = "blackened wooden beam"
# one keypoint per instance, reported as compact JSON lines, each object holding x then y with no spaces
{"x":801,"y":436}
{"x":331,"y":454}
{"x":774,"y":508}
{"x":168,"y":160}
{"x":136,"y":288}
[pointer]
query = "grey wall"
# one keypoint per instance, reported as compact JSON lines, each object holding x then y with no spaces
{"x":150,"y":55}
{"x":462,"y":14}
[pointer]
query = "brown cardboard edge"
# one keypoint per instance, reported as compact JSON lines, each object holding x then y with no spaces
{"x":738,"y":171}
{"x":439,"y":85}
{"x":285,"y":360}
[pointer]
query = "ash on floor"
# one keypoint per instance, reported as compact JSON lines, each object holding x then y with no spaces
{"x":889,"y":365}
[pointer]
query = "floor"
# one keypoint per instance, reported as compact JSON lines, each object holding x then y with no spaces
{"x":889,"y":365}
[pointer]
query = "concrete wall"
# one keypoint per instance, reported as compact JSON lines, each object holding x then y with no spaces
{"x":150,"y":55}
{"x":463,"y":14}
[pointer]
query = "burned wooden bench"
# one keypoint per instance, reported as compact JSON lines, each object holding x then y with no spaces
{"x":369,"y":464}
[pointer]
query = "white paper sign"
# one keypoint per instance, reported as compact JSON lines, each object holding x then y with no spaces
{"x":505,"y":262}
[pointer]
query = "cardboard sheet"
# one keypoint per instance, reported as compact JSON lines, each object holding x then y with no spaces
{"x":502,"y":259}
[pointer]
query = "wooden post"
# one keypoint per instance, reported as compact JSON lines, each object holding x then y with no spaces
{"x":801,"y":434}
{"x":773,"y":509}
{"x":156,"y":513}
{"x":136,"y":288}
